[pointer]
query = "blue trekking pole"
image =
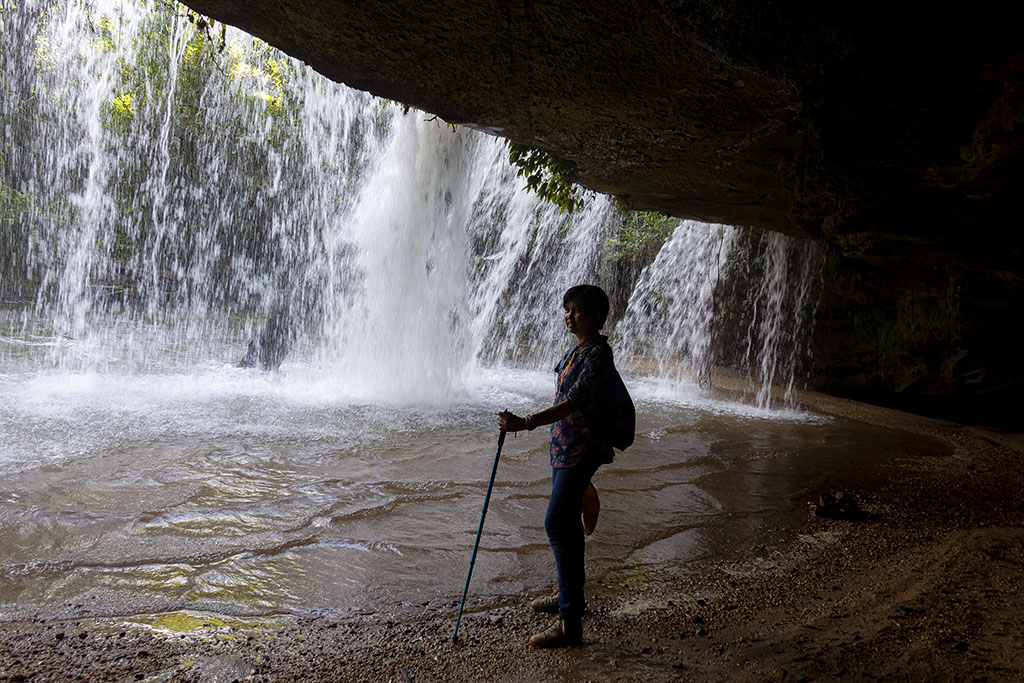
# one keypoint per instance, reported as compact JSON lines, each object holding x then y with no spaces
{"x":472,"y":561}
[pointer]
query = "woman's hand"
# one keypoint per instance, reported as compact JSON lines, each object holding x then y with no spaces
{"x":507,"y":422}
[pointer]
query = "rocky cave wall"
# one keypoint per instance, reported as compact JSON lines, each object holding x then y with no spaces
{"x":896,"y":139}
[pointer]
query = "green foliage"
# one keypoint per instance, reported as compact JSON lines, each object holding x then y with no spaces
{"x":549,"y":176}
{"x":122,"y":109}
{"x":142,"y":76}
{"x":919,"y":319}
{"x":632,"y":247}
{"x":104,"y":34}
{"x":170,"y":70}
{"x":261,"y":74}
{"x":267,"y":75}
{"x":916,"y":338}
{"x":11,"y":201}
{"x":13,"y":205}
{"x":639,"y":237}
{"x":15,"y":225}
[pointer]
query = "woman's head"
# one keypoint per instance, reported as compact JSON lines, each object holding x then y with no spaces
{"x":591,"y":299}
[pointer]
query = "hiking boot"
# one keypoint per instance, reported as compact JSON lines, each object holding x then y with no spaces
{"x":562,"y":633}
{"x":547,"y":604}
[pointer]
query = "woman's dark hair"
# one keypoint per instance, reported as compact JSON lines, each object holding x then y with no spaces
{"x":592,"y":298}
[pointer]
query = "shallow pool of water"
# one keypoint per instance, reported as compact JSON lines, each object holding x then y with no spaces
{"x":253,"y":493}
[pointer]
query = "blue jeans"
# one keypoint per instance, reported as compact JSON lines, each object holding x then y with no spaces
{"x":565,"y":533}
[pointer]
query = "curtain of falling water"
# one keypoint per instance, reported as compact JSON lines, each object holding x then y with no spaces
{"x":718,"y":294}
{"x":679,"y":285}
{"x":161,"y":189}
{"x":178,"y":187}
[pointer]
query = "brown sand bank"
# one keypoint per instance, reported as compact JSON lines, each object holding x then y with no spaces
{"x":929,"y":589}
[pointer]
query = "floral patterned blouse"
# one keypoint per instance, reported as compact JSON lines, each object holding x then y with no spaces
{"x":583,"y":373}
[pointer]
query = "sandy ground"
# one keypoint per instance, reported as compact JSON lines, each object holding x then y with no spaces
{"x":928,"y":589}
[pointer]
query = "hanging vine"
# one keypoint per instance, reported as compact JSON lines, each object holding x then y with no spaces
{"x":547,"y":175}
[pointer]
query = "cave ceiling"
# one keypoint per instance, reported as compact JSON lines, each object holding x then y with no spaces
{"x":833,"y":120}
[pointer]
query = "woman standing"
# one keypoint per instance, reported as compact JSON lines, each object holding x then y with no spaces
{"x":577,"y":450}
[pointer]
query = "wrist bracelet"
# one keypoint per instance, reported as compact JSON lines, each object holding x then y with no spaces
{"x":528,"y":420}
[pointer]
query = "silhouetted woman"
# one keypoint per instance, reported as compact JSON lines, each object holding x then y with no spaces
{"x":576,"y":452}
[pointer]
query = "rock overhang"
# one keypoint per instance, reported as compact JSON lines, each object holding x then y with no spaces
{"x":895,"y":137}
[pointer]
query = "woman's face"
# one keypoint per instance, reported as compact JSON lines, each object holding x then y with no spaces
{"x":579,"y":320}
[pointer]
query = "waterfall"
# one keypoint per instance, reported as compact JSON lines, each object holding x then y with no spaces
{"x":671,"y":313}
{"x":180,"y":195}
{"x":717,"y":294}
{"x":784,"y":305}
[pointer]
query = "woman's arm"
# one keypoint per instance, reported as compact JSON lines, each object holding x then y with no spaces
{"x":507,"y":422}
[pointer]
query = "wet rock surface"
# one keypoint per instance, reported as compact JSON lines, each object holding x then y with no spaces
{"x":930,"y":589}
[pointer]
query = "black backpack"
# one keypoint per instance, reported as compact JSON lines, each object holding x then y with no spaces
{"x":614,"y":412}
{"x":618,"y":414}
